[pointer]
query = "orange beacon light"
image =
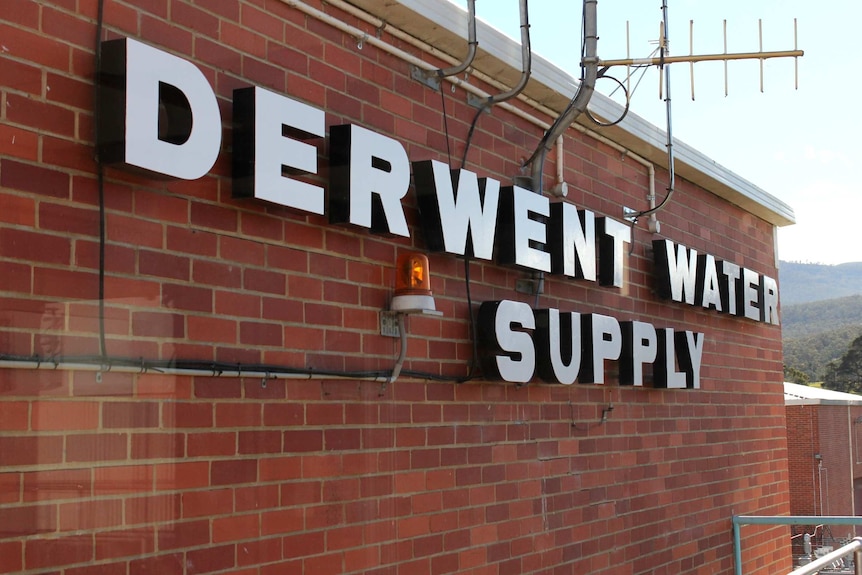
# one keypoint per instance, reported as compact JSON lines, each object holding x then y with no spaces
{"x":412,"y":285}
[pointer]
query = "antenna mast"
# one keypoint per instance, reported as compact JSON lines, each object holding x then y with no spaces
{"x":663,"y":61}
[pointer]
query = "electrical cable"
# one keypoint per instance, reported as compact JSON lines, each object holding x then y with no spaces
{"x":470,"y":133}
{"x":539,"y":153}
{"x":625,"y":113}
{"x":106,"y":361}
{"x":100,"y":178}
{"x":473,"y":360}
{"x":445,"y":124}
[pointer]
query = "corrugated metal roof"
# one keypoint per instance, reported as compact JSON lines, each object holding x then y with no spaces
{"x":795,"y":394}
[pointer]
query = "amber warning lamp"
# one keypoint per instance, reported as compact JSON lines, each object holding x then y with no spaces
{"x":412,"y":285}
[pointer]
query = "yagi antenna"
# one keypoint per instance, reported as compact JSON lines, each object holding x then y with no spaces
{"x":725,"y":56}
{"x":662,"y":61}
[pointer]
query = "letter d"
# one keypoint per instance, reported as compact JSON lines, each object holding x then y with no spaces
{"x":158,"y":112}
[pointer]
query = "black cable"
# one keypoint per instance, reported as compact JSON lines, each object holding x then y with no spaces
{"x":544,"y":141}
{"x":470,"y":134}
{"x":625,"y":113}
{"x":100,"y":177}
{"x":216,"y":367}
{"x":445,"y":124}
{"x":474,"y":360}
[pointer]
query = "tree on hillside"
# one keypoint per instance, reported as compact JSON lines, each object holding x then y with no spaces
{"x":845,"y":374}
{"x":796,"y":375}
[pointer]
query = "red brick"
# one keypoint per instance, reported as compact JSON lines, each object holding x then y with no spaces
{"x":91,"y":515}
{"x":213,"y":216}
{"x":18,"y":142}
{"x":324,"y":314}
{"x":173,"y":564}
{"x":42,"y":553}
{"x":156,"y":324}
{"x":260,"y":552}
{"x":187,"y":298}
{"x":236,"y":528}
{"x":257,"y":497}
{"x":96,"y":447}
{"x":211,"y":559}
{"x":270,"y":228}
{"x":14,"y":416}
{"x":211,"y":443}
{"x":243,"y":40}
{"x":58,"y":484}
{"x":67,"y":415}
{"x":62,"y":152}
{"x":279,"y":468}
{"x":259,"y":442}
{"x":184,"y":534}
{"x":44,"y":116}
{"x":27,"y":521}
{"x":134,"y":231}
{"x":323,"y":564}
{"x":11,"y":557}
{"x":238,"y":415}
{"x":185,"y":475}
{"x":216,"y":274}
{"x":304,"y":544}
{"x":18,"y":210}
{"x":241,"y":251}
{"x":264,"y":281}
{"x":188,"y":415}
{"x":158,"y":446}
{"x":132,"y":479}
{"x":207,"y":503}
{"x":125,"y":414}
{"x":164,"y":265}
{"x":35,"y":247}
{"x":21,"y":76}
{"x":165,"y":34}
{"x":234,"y":472}
{"x":281,"y":521}
{"x":30,"y":450}
{"x":124,"y":543}
{"x":152,"y":509}
{"x":260,"y":334}
{"x":237,"y":304}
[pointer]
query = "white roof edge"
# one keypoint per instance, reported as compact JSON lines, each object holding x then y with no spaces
{"x":796,"y":394}
{"x":643,"y":137}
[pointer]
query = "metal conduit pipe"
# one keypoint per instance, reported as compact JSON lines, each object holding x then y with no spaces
{"x":526,"y":61}
{"x":431,"y":50}
{"x":579,"y":103}
{"x":472,"y":45}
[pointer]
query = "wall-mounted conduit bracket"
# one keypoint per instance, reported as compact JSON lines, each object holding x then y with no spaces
{"x":433,"y":78}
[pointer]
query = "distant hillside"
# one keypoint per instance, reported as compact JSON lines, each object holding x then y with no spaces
{"x":816,"y":333}
{"x":801,"y":283}
{"x":821,"y":313}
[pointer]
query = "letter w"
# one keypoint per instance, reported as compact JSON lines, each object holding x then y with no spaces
{"x":450,"y":217}
{"x":677,"y":269}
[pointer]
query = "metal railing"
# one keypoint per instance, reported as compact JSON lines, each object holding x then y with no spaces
{"x":854,"y":546}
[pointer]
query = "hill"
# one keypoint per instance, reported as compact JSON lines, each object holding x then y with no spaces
{"x":801,"y":283}
{"x":816,"y":333}
{"x":821,"y":313}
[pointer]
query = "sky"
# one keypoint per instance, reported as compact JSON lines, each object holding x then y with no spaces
{"x":798,"y":145}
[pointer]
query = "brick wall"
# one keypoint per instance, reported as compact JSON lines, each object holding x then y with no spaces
{"x":142,"y":473}
{"x":803,"y":443}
